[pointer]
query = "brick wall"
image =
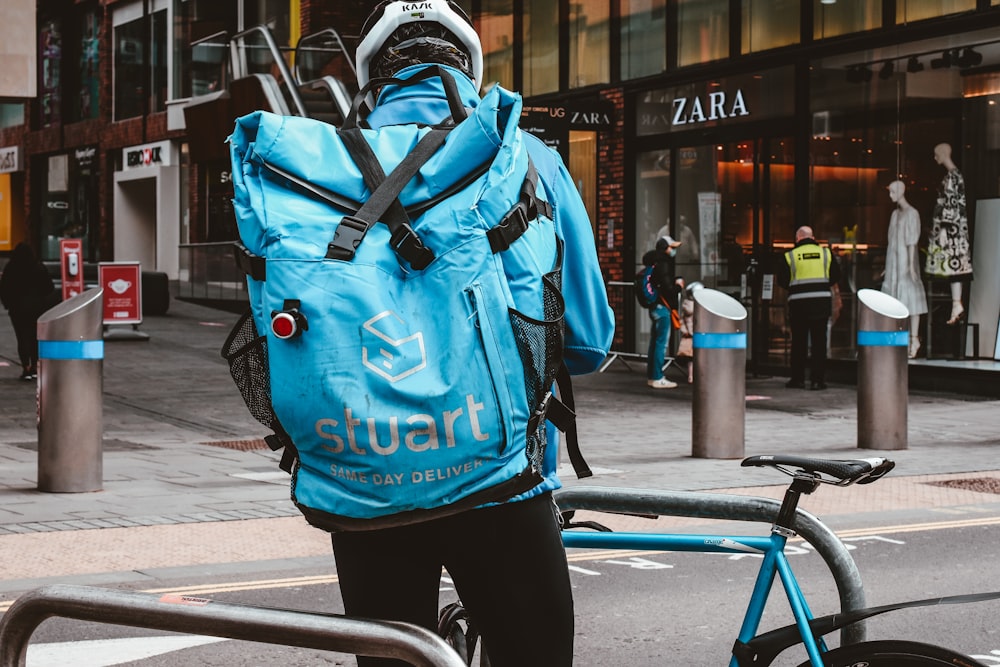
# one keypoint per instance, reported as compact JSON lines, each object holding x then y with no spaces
{"x":611,"y":206}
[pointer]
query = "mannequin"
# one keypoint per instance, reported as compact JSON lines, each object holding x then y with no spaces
{"x":901,"y":278}
{"x":949,"y":254}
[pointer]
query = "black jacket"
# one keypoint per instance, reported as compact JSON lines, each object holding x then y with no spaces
{"x":663,"y":275}
{"x":25,"y":286}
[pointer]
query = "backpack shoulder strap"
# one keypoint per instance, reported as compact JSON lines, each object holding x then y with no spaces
{"x":352,"y":229}
{"x":563,"y":414}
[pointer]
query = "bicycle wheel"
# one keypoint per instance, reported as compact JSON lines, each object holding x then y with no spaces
{"x":894,"y":653}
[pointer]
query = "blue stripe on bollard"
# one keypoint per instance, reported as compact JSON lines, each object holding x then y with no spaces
{"x":720,"y":341}
{"x":71,"y":349}
{"x":883,"y":338}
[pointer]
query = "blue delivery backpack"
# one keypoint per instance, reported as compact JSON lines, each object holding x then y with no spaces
{"x":406,"y":315}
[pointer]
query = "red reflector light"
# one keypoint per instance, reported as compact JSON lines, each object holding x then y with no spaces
{"x":284,"y":325}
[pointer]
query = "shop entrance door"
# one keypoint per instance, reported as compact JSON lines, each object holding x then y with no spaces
{"x":734,"y":200}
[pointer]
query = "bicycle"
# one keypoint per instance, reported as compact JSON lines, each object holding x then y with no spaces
{"x":751,"y":649}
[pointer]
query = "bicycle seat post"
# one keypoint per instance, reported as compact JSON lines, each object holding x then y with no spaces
{"x":802,"y":483}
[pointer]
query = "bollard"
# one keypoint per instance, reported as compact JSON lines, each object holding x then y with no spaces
{"x":883,"y":337}
{"x":70,"y":393}
{"x":720,"y":353}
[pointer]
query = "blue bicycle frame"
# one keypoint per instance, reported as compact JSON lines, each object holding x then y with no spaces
{"x":772,"y":548}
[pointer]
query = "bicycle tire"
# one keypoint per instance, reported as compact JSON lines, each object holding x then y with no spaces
{"x":894,"y":653}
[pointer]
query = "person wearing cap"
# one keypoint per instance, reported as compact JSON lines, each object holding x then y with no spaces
{"x":662,"y":259}
{"x":506,"y":560}
{"x":810,"y":273}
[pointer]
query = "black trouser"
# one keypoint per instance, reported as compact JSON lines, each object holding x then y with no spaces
{"x":509,"y":569}
{"x":808,"y":333}
{"x":26,"y":331}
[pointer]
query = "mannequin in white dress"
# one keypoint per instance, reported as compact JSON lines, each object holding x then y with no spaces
{"x":902,"y":269}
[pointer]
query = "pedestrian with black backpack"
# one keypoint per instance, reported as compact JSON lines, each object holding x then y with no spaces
{"x":663,"y":311}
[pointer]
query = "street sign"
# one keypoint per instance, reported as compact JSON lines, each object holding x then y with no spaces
{"x":122,"y":283}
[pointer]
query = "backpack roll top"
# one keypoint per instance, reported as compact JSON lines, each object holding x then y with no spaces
{"x":402,"y":393}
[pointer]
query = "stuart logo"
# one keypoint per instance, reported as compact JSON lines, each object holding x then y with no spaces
{"x":388,"y":351}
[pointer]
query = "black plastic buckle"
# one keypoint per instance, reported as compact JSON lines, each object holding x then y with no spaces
{"x":350,"y":232}
{"x":408,"y":245}
{"x":511,"y":226}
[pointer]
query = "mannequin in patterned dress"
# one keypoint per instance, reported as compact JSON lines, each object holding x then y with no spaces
{"x":901,"y":278}
{"x":949,"y":253}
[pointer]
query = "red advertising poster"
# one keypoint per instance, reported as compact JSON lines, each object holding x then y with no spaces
{"x":122,"y":284}
{"x":71,"y":256}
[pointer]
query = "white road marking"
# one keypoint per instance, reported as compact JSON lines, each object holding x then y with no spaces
{"x":108,"y":652}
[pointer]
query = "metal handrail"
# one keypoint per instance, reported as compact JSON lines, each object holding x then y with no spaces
{"x":733,"y":508}
{"x":200,"y":616}
{"x":303,"y":44}
{"x":240,"y":70}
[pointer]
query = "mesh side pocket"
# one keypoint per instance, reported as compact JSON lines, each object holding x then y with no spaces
{"x":246,"y":352}
{"x":540,"y":345}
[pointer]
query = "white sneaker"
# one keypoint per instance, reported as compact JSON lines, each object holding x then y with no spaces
{"x":662,"y":383}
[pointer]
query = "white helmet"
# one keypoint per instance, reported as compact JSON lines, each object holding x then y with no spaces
{"x":402,"y":33}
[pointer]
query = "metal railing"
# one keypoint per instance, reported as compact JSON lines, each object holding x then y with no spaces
{"x":209,"y":272}
{"x":732,"y":508}
{"x":315,"y":53}
{"x":254,"y":51}
{"x":201,"y":616}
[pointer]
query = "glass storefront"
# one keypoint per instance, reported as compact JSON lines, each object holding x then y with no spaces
{"x":878,"y":117}
{"x":736,"y":194}
{"x":68,"y":184}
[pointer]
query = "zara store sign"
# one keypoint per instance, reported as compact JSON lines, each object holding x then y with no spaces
{"x":716,"y":102}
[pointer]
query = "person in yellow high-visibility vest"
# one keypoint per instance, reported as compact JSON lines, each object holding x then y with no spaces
{"x":810,"y":273}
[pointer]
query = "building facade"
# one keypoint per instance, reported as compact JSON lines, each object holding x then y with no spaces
{"x":727,"y":123}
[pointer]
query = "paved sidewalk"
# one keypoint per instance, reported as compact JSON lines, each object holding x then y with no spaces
{"x":188,"y":481}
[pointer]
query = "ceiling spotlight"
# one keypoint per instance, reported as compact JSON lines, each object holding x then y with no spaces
{"x":827,"y":2}
{"x":969,"y":58}
{"x":944,"y":61}
{"x":886,"y":70}
{"x":913,"y":65}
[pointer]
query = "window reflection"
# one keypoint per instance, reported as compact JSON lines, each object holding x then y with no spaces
{"x":916,"y":10}
{"x":588,"y":43}
{"x":845,"y":17}
{"x":703,"y":31}
{"x":643,"y":37}
{"x":768,"y":24}
{"x":495,"y":25}
{"x":541,"y":47}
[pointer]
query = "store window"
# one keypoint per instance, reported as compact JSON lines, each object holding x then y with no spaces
{"x":140,"y":58}
{"x":769,"y":24}
{"x":541,"y":47}
{"x":69,"y":186}
{"x":917,"y":10}
{"x":643,"y":38}
{"x":702,"y":31}
{"x":582,"y":165}
{"x":495,"y":25}
{"x":589,"y":33}
{"x":871,"y":131}
{"x":842,"y":18}
{"x":202,"y":48}
{"x":85,"y":71}
{"x":11,"y":114}
{"x":50,"y":73}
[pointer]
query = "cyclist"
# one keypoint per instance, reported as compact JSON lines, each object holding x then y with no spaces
{"x":507,"y":561}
